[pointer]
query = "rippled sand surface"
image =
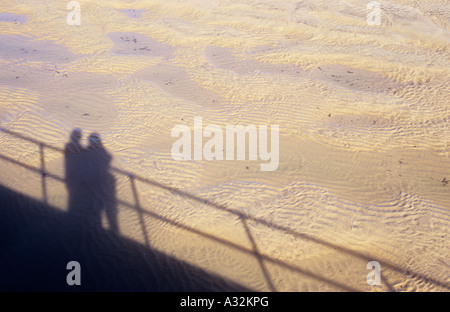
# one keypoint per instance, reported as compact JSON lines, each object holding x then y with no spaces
{"x":363,"y":113}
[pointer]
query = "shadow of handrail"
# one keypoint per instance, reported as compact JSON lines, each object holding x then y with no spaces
{"x":244,"y":218}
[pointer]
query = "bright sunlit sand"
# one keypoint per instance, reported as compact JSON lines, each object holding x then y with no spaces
{"x":363,"y":114}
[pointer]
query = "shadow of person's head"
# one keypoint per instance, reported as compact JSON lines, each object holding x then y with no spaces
{"x":74,"y":145}
{"x":75,"y":136}
{"x":95,"y":142}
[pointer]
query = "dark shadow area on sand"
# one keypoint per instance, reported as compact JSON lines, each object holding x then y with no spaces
{"x":37,"y":241}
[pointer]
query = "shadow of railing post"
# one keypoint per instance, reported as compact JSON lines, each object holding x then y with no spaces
{"x":138,"y":208}
{"x":43,"y":173}
{"x":258,"y":255}
{"x":255,"y":252}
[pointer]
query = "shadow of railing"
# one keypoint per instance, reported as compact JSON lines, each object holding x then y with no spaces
{"x":245,"y":218}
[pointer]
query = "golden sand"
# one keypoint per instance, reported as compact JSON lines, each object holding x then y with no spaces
{"x":363,"y":113}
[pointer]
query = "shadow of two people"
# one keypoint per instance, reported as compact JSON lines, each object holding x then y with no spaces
{"x":37,"y":240}
{"x":90,"y":183}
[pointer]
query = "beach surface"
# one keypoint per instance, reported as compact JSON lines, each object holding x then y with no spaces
{"x":364,"y":139}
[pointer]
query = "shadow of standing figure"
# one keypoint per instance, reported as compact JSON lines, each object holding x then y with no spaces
{"x":90,"y":184}
{"x":104,"y":195}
